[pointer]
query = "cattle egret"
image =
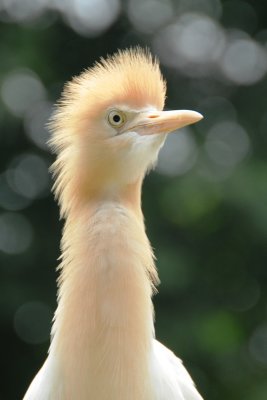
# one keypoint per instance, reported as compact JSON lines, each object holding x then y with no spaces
{"x":108,"y":129}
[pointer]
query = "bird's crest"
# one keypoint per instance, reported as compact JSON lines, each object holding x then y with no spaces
{"x":130,"y":77}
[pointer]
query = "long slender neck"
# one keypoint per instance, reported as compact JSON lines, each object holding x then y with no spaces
{"x":104,"y":322}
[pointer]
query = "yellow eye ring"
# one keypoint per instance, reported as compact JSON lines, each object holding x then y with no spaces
{"x":116,"y":118}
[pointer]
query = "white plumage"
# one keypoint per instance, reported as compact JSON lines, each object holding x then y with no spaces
{"x":170,"y":378}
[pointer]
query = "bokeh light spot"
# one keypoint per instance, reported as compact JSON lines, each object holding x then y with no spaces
{"x":24,"y":10}
{"x":244,"y":62}
{"x":178,"y":155}
{"x":28,"y":176}
{"x":20,"y":90}
{"x":193,"y":44}
{"x":10,"y":200}
{"x":213,"y":8}
{"x":227,"y":143}
{"x":149,"y":15}
{"x":200,"y":38}
{"x":16,"y":233}
{"x":91,"y":17}
{"x":35,"y":123}
{"x":32,"y":322}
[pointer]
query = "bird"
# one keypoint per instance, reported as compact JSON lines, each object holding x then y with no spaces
{"x":107,"y":130}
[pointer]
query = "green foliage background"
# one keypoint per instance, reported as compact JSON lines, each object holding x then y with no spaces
{"x":208,"y":224}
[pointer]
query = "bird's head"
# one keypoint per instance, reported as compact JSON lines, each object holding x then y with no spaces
{"x":109,"y":125}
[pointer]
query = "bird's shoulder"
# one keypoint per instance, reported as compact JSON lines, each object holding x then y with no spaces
{"x":170,"y":378}
{"x":46,"y":385}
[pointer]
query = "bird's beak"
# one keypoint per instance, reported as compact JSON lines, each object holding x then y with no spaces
{"x":165,"y":121}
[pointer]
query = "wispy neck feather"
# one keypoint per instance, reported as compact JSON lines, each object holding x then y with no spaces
{"x":103,"y":327}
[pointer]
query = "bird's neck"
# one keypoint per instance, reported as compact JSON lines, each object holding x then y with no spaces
{"x":103,"y":327}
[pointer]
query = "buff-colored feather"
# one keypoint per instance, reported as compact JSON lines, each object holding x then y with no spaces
{"x":105,"y":328}
{"x":103,"y":345}
{"x":131,"y":77}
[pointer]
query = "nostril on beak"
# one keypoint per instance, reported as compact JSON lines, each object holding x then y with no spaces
{"x":153,"y":116}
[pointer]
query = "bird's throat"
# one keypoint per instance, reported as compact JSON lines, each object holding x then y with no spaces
{"x":105,"y":314}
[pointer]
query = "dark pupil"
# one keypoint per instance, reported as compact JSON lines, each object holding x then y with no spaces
{"x":116,"y":118}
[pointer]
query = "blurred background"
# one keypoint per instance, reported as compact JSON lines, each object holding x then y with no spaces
{"x":205,"y":204}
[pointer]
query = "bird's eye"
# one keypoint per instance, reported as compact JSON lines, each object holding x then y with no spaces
{"x":116,"y":118}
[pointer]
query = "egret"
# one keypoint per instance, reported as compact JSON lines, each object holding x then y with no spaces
{"x":107,"y":131}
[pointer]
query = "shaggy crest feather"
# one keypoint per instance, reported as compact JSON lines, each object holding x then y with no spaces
{"x":129,"y":77}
